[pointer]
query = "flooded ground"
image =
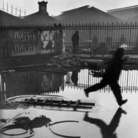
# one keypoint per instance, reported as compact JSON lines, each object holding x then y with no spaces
{"x":104,"y":120}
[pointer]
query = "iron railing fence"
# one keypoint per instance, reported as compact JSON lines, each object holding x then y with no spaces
{"x":95,"y":38}
{"x":99,"y":38}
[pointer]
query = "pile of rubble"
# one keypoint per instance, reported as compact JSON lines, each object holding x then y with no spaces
{"x":66,"y":60}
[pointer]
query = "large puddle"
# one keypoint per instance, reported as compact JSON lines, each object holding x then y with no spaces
{"x":104,"y":120}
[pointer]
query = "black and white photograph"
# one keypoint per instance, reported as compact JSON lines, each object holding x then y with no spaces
{"x":68,"y":68}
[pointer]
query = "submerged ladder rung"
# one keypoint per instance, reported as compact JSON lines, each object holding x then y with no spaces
{"x":59,"y":103}
{"x":77,"y":103}
{"x":68,"y":104}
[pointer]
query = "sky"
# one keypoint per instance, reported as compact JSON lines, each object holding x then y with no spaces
{"x":56,"y":7}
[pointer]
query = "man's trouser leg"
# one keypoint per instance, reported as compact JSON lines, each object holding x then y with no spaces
{"x":116,"y":91}
{"x":97,"y":86}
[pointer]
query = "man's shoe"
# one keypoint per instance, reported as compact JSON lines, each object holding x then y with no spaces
{"x":122,"y":111}
{"x":122,"y":102}
{"x":86,"y":93}
{"x":85,"y":116}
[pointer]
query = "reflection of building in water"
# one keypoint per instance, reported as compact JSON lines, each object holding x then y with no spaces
{"x":30,"y":82}
{"x":128,"y":80}
{"x":51,"y":82}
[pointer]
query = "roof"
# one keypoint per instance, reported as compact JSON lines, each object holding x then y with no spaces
{"x":120,"y":13}
{"x":86,"y":14}
{"x":40,"y":18}
{"x":7,"y":19}
{"x":124,"y":8}
{"x":133,"y":19}
{"x":76,"y":10}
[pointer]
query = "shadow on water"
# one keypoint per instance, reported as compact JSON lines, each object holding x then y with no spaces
{"x":107,"y":131}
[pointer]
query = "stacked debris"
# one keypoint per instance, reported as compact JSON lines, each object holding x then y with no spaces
{"x":66,"y":60}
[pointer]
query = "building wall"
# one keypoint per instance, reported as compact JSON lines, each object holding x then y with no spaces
{"x":21,"y":42}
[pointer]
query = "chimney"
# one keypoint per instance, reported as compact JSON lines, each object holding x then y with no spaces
{"x":43,"y":7}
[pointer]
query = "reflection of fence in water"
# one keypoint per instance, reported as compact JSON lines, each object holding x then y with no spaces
{"x":106,"y":89}
{"x":128,"y":80}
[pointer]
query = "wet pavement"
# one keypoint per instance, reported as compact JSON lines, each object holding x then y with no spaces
{"x":104,"y":120}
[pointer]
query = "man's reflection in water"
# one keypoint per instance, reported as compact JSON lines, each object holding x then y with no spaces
{"x":45,"y":83}
{"x":74,"y":77}
{"x":107,"y":131}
